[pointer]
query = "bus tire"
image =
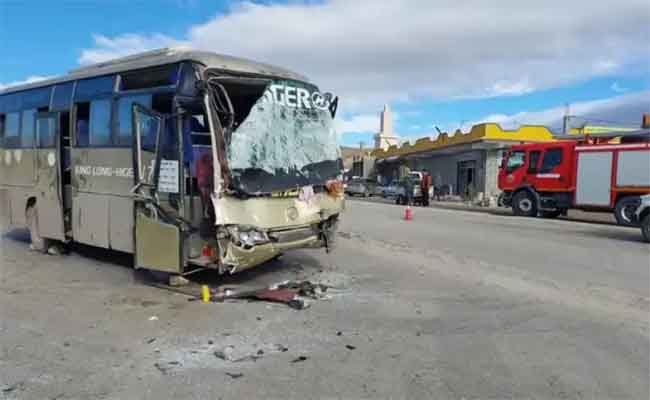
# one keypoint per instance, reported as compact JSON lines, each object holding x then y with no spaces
{"x":624,"y":210}
{"x":524,"y":204}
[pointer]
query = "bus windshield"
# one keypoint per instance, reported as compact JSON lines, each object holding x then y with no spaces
{"x":287,"y":141}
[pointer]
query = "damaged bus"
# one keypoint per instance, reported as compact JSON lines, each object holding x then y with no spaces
{"x":186,"y":159}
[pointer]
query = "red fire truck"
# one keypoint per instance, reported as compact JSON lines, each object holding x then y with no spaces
{"x":599,"y":172}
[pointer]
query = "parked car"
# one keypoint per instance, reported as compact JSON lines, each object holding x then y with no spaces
{"x":643,"y":216}
{"x":379,"y":190}
{"x":391,"y":190}
{"x":361,"y":187}
{"x":401,"y":191}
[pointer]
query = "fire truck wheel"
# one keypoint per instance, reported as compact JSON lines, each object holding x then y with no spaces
{"x":524,"y":204}
{"x":645,"y":228}
{"x":624,"y":211}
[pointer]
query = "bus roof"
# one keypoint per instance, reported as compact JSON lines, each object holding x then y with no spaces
{"x":162,"y":57}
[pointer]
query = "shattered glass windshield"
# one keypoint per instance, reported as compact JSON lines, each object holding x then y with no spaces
{"x":287,"y":141}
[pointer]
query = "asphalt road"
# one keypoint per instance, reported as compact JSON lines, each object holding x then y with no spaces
{"x":450,"y":305}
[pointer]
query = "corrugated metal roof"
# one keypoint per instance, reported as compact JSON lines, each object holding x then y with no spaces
{"x":605,"y":135}
{"x":228,"y":64}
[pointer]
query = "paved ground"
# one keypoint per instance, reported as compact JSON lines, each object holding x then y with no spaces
{"x":451,"y":305}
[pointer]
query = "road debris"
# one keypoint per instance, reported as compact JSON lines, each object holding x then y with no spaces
{"x":151,"y":340}
{"x":234,"y":375}
{"x":178,"y":281}
{"x":245,"y":353}
{"x":153,"y":318}
{"x":295,"y":294}
{"x":166,"y":366}
{"x":299,"y":359}
{"x":10,"y":388}
{"x":350,"y":347}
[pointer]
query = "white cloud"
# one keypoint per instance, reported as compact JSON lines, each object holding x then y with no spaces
{"x":373,"y":52}
{"x":360,"y":123}
{"x":618,"y":88}
{"x":108,"y":48}
{"x":30,"y":79}
{"x":622,"y":111}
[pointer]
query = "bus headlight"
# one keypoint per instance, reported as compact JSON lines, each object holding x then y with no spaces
{"x":247,"y":236}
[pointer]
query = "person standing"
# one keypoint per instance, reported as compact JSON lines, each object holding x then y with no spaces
{"x":437,"y":186}
{"x":425,"y":185}
{"x":408,"y":190}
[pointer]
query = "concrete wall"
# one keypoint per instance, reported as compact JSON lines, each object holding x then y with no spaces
{"x":363,"y":166}
{"x":487,"y":168}
{"x":492,"y":161}
{"x":447,"y":167}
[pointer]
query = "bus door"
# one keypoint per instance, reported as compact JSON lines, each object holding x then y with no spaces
{"x":157,"y":176}
{"x":48,"y":172}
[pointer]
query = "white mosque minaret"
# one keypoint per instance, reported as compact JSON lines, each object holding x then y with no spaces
{"x":386,"y":137}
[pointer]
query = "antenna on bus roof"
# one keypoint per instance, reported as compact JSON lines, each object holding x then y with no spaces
{"x":131,"y":58}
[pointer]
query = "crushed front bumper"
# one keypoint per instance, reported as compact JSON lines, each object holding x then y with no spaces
{"x":238,"y":258}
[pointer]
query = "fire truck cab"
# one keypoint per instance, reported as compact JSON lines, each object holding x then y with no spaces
{"x":606,"y":172}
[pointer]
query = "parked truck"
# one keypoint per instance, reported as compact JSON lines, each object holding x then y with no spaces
{"x":603,"y":172}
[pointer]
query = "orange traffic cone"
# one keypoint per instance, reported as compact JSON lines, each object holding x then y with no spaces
{"x":408,"y":213}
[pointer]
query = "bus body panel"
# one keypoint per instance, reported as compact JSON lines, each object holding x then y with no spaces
{"x":90,"y":219}
{"x":5,"y":210}
{"x":19,"y":166}
{"x":101,"y":181}
{"x":49,"y":199}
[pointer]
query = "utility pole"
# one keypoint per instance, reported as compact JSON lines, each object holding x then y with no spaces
{"x":565,"y":120}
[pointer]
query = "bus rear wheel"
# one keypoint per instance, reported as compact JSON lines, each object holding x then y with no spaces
{"x":624,"y":210}
{"x":524,"y":204}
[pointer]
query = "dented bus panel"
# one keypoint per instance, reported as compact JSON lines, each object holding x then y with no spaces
{"x":185,"y":159}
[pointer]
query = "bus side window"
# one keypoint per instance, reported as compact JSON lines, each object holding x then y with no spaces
{"x":2,"y":130}
{"x":81,"y":124}
{"x":125,"y":117}
{"x":99,"y":125}
{"x":28,"y":128}
{"x":12,"y":130}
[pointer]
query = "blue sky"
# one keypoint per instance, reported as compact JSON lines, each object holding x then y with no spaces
{"x":443,"y":66}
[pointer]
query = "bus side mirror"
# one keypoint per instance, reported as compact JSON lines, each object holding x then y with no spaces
{"x":334,"y":105}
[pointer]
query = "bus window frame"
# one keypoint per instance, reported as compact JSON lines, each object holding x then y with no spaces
{"x":34,"y":112}
{"x":129,"y":93}
{"x":75,"y":141}
{"x":171,"y":66}
{"x":13,"y":142}
{"x":47,"y":115}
